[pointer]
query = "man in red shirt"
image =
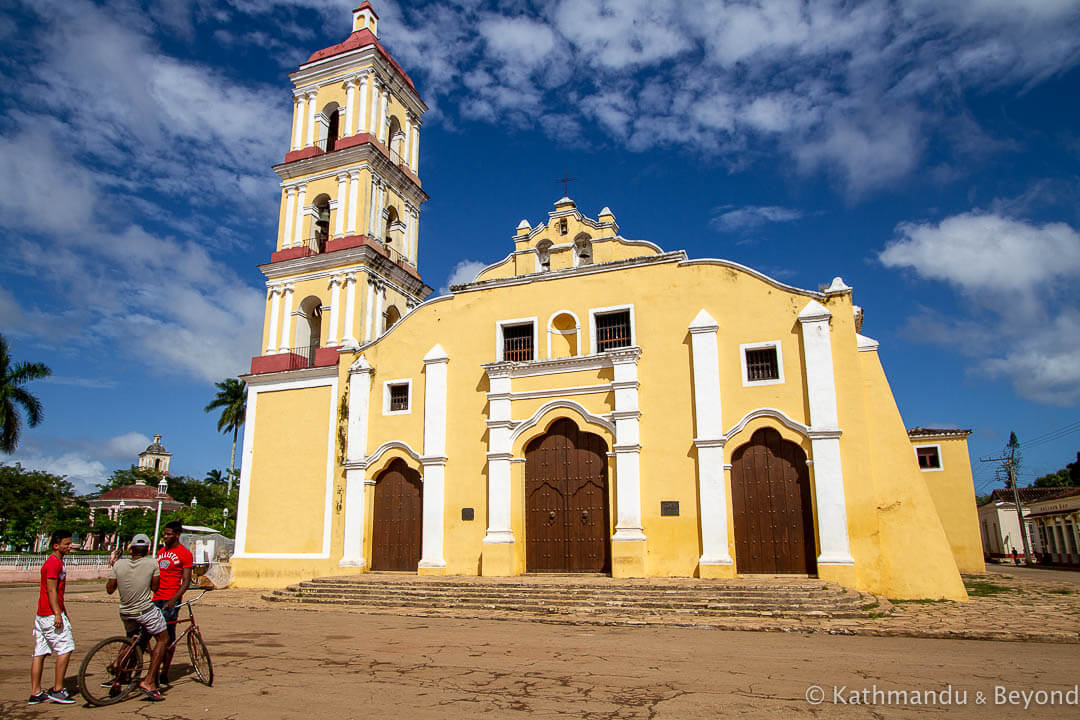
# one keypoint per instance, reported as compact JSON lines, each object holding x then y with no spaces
{"x":52,"y":629}
{"x":174,"y":564}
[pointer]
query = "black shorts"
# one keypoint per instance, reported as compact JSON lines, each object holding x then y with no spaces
{"x":170,"y":617}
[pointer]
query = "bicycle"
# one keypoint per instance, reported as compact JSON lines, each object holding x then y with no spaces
{"x":113,"y":668}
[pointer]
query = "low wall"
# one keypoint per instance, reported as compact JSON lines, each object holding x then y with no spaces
{"x":78,"y":572}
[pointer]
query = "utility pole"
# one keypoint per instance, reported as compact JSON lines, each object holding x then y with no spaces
{"x":1010,"y":461}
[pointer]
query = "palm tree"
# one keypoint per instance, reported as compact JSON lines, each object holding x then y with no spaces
{"x":232,"y":399}
{"x":214,"y":477}
{"x":11,"y":377}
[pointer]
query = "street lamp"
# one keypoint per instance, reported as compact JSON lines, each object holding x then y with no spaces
{"x":119,"y":523}
{"x":225,"y":522}
{"x":162,"y":488}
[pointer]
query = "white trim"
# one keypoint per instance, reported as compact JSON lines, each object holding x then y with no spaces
{"x":593,"y":312}
{"x":866,"y":344}
{"x":523,"y":426}
{"x":500,"y":324}
{"x":937,"y":447}
{"x":554,"y":366}
{"x":386,"y":396}
{"x":761,"y":346}
{"x":576,"y":331}
{"x":750,"y":271}
{"x":678,"y":256}
{"x":386,"y":447}
{"x":769,"y":413}
{"x":553,"y":392}
{"x":254,"y":390}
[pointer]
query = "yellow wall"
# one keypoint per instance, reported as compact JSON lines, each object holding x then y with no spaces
{"x":953,"y":493}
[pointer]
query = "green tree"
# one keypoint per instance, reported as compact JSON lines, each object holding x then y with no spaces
{"x":12,"y":377}
{"x":1068,"y":476}
{"x":231,"y":398}
{"x":215,"y":477}
{"x":132,"y":475}
{"x":34,"y":502}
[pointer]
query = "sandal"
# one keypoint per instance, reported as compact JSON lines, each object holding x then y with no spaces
{"x":151,"y":695}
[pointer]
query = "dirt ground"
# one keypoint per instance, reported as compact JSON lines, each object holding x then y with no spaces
{"x":289,"y":662}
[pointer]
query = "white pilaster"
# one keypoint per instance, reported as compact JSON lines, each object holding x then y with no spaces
{"x":371,"y":206}
{"x":298,"y":120}
{"x":384,"y":107}
{"x":290,"y":216}
{"x":414,"y":254}
{"x":380,"y":210}
{"x":407,"y":241}
{"x":500,"y":427}
{"x":627,"y":446}
{"x":825,"y":436}
{"x":350,"y":105}
{"x":286,"y":321}
{"x":362,"y":116}
{"x":275,"y":309}
{"x":370,"y":308}
{"x":339,"y":215}
{"x":360,"y":376}
{"x":415,"y":164}
{"x":335,"y":309}
{"x":380,"y":303}
{"x":376,"y":102}
{"x":434,"y":459}
{"x":348,"y":337}
{"x":406,"y":150}
{"x":298,"y":223}
{"x":310,"y":119}
{"x":709,"y":441}
{"x":354,"y":197}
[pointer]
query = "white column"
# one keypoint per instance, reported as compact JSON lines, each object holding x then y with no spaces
{"x":376,"y":101}
{"x":350,"y":105}
{"x":406,"y":250}
{"x":298,"y":115}
{"x":243,"y":490}
{"x":371,"y":206}
{"x":384,"y":106}
{"x":298,"y":225}
{"x":380,"y":302}
{"x":414,"y":254}
{"x":627,"y":446}
{"x":311,"y":119}
{"x":499,"y":454}
{"x":339,"y":215}
{"x":370,"y":308}
{"x":825,"y":436}
{"x":712,"y":489}
{"x":362,"y":116}
{"x":272,"y":330}
{"x":406,"y":146}
{"x":434,"y":459}
{"x":286,"y":321}
{"x":348,"y":337}
{"x":354,"y":198}
{"x":290,"y":216}
{"x":380,"y":207}
{"x":360,"y":376}
{"x":335,"y":309}
{"x":415,"y":164}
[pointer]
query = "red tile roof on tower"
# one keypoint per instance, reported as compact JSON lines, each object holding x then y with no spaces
{"x":359,"y":39}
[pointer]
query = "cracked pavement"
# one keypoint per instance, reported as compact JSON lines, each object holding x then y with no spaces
{"x":277,"y":661}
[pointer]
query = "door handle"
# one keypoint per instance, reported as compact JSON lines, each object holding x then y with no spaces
{"x":584,"y":514}
{"x":551,"y":515}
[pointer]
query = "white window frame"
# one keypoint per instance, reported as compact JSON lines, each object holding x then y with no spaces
{"x":552,"y":331}
{"x":940,"y":460}
{"x":386,"y":396}
{"x":593,"y":312}
{"x":777,"y":345}
{"x":512,"y":323}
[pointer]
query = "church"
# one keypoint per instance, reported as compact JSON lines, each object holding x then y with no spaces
{"x":586,"y":404}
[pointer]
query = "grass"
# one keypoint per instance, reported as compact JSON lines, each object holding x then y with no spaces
{"x":1060,"y":592}
{"x":987,"y":589}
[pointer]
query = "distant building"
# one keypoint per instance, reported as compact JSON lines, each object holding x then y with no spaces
{"x":155,"y":457}
{"x":1054,"y":523}
{"x":998,"y":524}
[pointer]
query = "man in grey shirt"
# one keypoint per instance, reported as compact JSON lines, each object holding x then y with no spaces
{"x":137,"y":578}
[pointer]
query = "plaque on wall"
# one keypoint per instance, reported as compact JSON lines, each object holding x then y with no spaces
{"x":467,"y":513}
{"x":669,"y":508}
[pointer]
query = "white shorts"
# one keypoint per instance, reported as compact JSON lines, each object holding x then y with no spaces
{"x":50,"y":641}
{"x":151,"y":620}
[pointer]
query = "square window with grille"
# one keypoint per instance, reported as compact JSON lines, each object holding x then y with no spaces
{"x":399,"y":398}
{"x":517,"y":342}
{"x":929,"y":458}
{"x":612,"y":330}
{"x":762,"y":364}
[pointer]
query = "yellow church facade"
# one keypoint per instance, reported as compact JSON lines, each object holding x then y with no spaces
{"x":587,"y":404}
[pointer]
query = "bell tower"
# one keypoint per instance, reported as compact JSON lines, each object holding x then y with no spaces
{"x":345,"y":265}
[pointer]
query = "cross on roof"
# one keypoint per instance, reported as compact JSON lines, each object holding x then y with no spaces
{"x":566,"y":180}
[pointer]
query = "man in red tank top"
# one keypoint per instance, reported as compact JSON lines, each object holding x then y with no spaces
{"x":174,"y":564}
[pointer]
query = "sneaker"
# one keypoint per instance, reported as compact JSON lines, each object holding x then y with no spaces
{"x":60,"y":696}
{"x":39,"y":698}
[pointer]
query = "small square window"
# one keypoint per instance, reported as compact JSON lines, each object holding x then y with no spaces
{"x":762,"y":364}
{"x":613,"y":330}
{"x":929,"y":457}
{"x":399,"y":398}
{"x":517,"y":342}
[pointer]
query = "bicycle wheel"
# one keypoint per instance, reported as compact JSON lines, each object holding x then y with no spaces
{"x":200,"y":658}
{"x":110,"y":671}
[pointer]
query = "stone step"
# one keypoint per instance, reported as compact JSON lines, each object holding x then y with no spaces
{"x":578,"y":601}
{"x":582,"y":590}
{"x":591,"y":587}
{"x":556,"y":593}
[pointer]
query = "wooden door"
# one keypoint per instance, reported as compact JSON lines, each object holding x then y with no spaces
{"x":398,"y":520}
{"x":566,"y":502}
{"x":772,"y":507}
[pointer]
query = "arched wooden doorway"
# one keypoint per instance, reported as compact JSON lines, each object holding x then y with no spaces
{"x":772,"y":507}
{"x":398,"y":519}
{"x":566,"y":502}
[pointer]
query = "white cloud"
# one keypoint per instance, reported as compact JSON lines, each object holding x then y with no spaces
{"x":126,"y":447}
{"x":82,"y":472}
{"x":1020,"y":279}
{"x":731,"y":219}
{"x":464,"y":272}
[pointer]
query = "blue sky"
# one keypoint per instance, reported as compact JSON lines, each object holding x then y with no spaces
{"x":927,"y":152}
